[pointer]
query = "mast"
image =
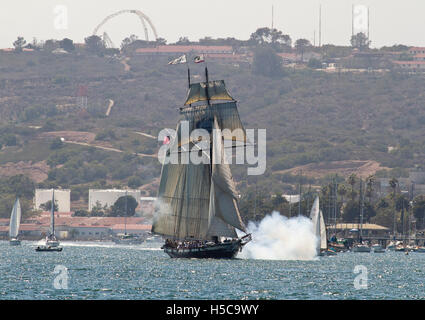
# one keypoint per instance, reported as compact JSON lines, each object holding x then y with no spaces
{"x":335,"y":203}
{"x":199,"y":201}
{"x":361,"y":209}
{"x":320,"y":25}
{"x":125,"y":214}
{"x":299,"y":194}
{"x":188,"y":75}
{"x":52,"y":215}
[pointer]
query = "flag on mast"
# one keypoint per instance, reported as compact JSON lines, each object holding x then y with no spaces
{"x":199,"y":59}
{"x":179,"y":60}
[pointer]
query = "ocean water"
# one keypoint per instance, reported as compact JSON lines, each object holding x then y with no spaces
{"x":109,"y":271}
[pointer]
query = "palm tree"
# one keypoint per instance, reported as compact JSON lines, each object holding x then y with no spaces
{"x":370,"y":181}
{"x":393,"y":184}
{"x":352,"y":181}
{"x":342,"y":191}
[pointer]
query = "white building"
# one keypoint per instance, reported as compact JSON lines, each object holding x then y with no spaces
{"x":62,"y":198}
{"x":292,"y":198}
{"x":109,"y":196}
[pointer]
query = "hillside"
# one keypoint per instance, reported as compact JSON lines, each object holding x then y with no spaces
{"x":311,"y":117}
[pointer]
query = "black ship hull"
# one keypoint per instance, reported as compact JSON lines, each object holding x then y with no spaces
{"x":223,"y":250}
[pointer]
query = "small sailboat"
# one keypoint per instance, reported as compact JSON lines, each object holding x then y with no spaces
{"x":51,"y":242}
{"x":15,"y":220}
{"x":391,"y":246}
{"x":319,"y":229}
{"x":377,"y":248}
{"x":360,"y":246}
{"x":420,"y":249}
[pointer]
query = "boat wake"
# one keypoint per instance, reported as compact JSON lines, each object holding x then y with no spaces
{"x":107,"y":245}
{"x":278,"y":238}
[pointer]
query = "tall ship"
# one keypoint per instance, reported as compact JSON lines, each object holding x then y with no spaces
{"x":15,"y":220}
{"x":197,"y":209}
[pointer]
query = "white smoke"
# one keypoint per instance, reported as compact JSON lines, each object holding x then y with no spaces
{"x":278,"y":238}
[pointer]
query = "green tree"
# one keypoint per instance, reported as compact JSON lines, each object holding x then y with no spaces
{"x":126,"y":42}
{"x":134,"y":182}
{"x":47,"y":206}
{"x":360,"y":41}
{"x":183,"y":41}
{"x":267,"y":63}
{"x":393,"y":184}
{"x":94,"y":44}
{"x":274,"y":37}
{"x":97,"y":210}
{"x":67,"y":44}
{"x":124,"y":206}
{"x":370,"y":182}
{"x":419,"y":210}
{"x":351,"y":212}
{"x":314,"y":63}
{"x":352,"y":181}
{"x":19,"y":44}
{"x":19,"y":186}
{"x":57,"y":143}
{"x":301,"y":45}
{"x":81,"y":213}
{"x":50,"y":45}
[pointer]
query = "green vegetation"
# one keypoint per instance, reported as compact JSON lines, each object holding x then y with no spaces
{"x":16,"y":186}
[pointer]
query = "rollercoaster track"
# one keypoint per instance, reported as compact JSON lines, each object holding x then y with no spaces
{"x":143,"y":18}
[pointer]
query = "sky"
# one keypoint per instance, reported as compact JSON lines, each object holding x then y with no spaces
{"x":391,"y":21}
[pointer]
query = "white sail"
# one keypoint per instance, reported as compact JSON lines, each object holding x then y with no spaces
{"x":223,"y":190}
{"x":15,"y":219}
{"x":323,"y":240}
{"x":315,"y":215}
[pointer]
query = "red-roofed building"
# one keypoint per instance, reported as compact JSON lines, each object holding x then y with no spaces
{"x":175,"y":49}
{"x":228,"y":57}
{"x":416,"y":50}
{"x":78,"y":228}
{"x":419,"y":57}
{"x":410,"y":65}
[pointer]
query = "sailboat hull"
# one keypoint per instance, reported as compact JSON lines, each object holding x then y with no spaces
{"x":14,"y":242}
{"x":225,"y":250}
{"x":361,"y":248}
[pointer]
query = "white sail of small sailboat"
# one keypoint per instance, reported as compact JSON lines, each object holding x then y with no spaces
{"x":52,"y":243}
{"x":319,"y":228}
{"x":15,"y":220}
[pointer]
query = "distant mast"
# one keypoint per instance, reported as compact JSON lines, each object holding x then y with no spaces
{"x":125,"y":214}
{"x":272,"y":18}
{"x":320,"y":25}
{"x":52,"y":214}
